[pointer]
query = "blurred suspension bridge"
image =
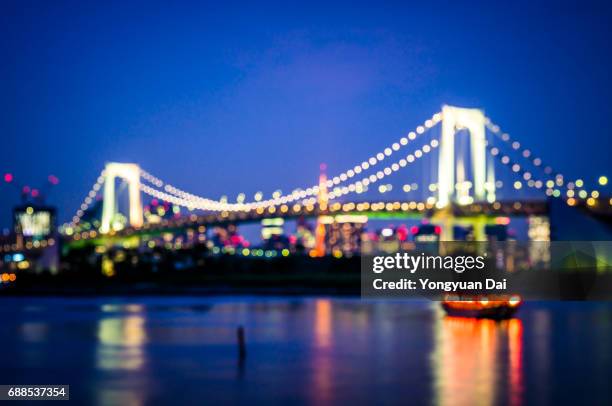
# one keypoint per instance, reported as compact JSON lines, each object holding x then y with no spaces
{"x":473,"y":155}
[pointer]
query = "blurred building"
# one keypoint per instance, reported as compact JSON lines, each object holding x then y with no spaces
{"x":343,"y":233}
{"x":33,"y":244}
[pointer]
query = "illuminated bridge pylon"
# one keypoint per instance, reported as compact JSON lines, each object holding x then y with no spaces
{"x":452,"y":183}
{"x":322,"y":200}
{"x":131,"y":174}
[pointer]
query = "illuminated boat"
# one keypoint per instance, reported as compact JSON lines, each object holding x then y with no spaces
{"x":489,"y":307}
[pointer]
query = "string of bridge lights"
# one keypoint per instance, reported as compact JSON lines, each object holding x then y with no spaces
{"x":552,"y":187}
{"x":190,"y":200}
{"x":357,"y":186}
{"x":193,"y":204}
{"x":89,"y":199}
{"x":516,"y":168}
{"x":387,"y":152}
{"x":157,"y":194}
{"x":524,"y":152}
{"x":555,"y":179}
{"x":185,"y":199}
{"x":388,"y":170}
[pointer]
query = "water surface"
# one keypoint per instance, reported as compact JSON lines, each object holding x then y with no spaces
{"x":316,"y":350}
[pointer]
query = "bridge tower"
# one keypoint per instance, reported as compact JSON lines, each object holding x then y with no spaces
{"x":131,"y":174}
{"x":323,"y":199}
{"x":452,"y":185}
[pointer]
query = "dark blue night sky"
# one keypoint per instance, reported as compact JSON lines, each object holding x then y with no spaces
{"x":224,"y":97}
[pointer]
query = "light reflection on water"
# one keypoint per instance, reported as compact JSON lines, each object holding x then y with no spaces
{"x":317,"y":350}
{"x":121,"y":342}
{"x":321,"y":361}
{"x":467,"y":360}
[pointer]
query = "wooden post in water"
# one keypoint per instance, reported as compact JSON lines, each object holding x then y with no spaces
{"x":241,"y":343}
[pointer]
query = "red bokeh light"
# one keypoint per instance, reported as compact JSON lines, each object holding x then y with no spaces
{"x":8,"y":177}
{"x":402,"y":233}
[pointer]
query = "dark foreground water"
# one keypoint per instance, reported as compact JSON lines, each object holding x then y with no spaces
{"x":305,"y":351}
